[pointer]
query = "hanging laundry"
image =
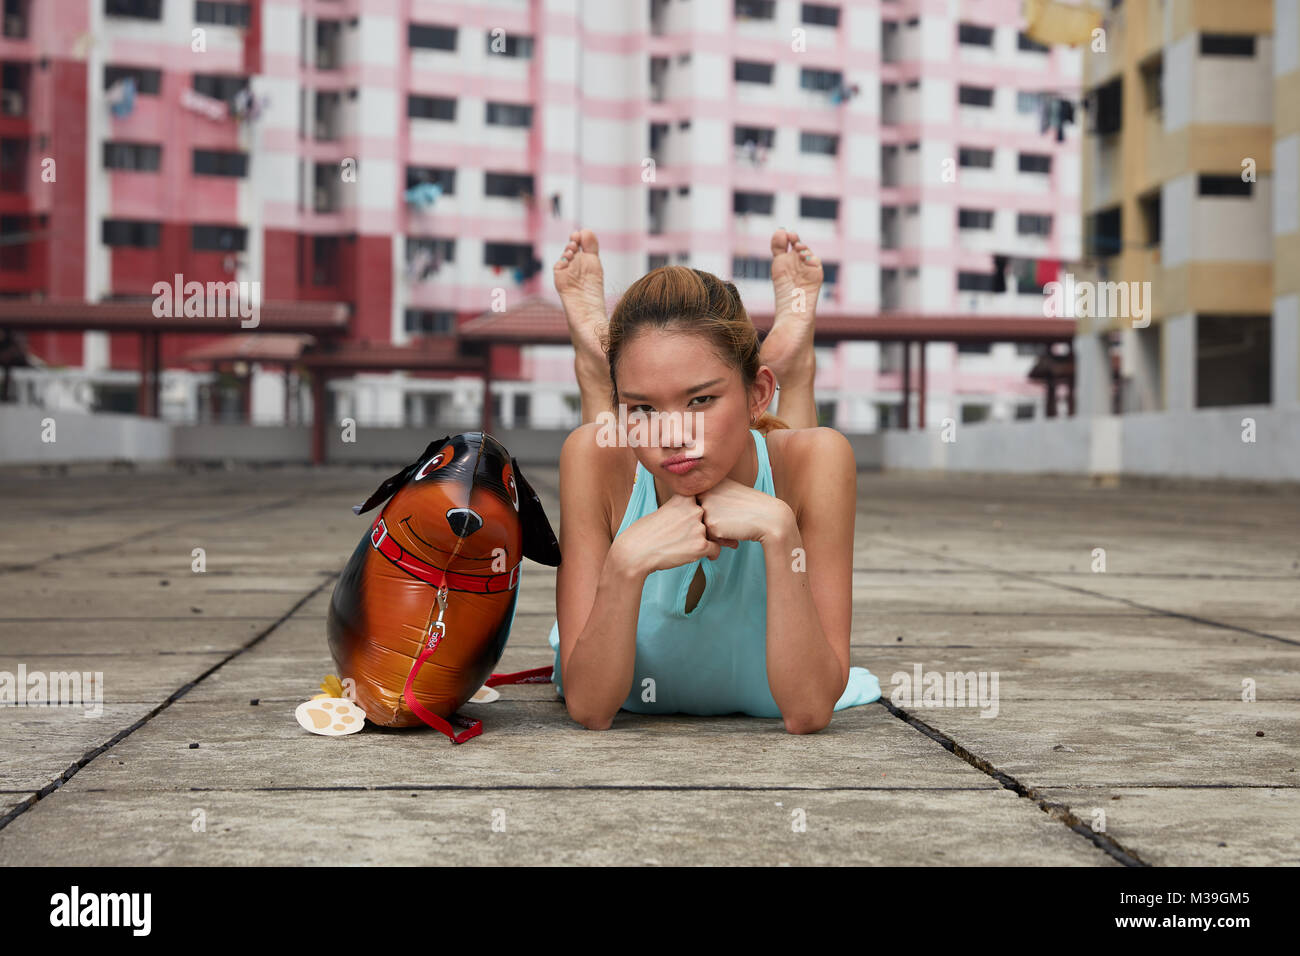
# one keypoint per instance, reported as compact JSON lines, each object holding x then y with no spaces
{"x":1025,"y":271}
{"x":121,"y":97}
{"x":555,"y":205}
{"x":417,"y":266}
{"x":1048,"y":271}
{"x":422,"y":195}
{"x":1064,"y":116}
{"x":437,"y":257}
{"x":519,"y":276}
{"x":1000,"y":264}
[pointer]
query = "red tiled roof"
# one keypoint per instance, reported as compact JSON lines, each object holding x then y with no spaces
{"x":428,"y":355}
{"x":268,"y":347}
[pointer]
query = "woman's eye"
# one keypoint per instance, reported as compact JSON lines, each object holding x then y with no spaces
{"x":639,"y":409}
{"x":703,"y":398}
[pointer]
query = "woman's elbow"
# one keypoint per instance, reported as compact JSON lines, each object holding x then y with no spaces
{"x":589,"y":719}
{"x":807,"y":724}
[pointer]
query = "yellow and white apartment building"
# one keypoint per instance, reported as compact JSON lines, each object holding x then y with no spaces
{"x":1191,"y":160}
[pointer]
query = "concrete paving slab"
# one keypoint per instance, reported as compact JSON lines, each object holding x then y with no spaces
{"x":558,"y":827}
{"x":524,"y":742}
{"x":1134,"y":743}
{"x":39,"y":744}
{"x":1177,"y":826}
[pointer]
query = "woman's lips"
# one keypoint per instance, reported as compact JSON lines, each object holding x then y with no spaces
{"x":680,"y":466}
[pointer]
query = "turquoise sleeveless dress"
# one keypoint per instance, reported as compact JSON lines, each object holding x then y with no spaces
{"x":712,"y":660}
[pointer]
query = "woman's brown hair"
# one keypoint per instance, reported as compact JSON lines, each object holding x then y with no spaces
{"x":689,"y":300}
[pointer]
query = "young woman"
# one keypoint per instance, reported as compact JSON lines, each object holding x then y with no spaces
{"x":710,"y":571}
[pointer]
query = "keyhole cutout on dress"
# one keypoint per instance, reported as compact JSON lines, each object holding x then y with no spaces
{"x":696,"y":590}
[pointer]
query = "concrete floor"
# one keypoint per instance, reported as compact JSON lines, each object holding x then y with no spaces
{"x":1121,"y":736}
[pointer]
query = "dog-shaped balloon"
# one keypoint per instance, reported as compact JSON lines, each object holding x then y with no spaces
{"x":421,"y":614}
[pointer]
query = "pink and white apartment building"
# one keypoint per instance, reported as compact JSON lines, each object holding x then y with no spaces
{"x":425,"y":161}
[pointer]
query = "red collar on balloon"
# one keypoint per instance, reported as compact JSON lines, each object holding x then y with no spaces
{"x":455,"y":580}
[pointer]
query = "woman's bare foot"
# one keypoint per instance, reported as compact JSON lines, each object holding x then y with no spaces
{"x":788,"y":348}
{"x":580,"y":281}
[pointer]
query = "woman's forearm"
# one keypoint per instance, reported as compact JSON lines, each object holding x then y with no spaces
{"x":598,"y":675}
{"x":803,"y":673}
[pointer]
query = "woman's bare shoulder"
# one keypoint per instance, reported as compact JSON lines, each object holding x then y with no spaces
{"x":802,"y":456}
{"x":598,"y":470}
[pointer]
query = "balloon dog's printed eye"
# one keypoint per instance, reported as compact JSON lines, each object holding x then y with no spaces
{"x":508,"y":479}
{"x":436,"y":462}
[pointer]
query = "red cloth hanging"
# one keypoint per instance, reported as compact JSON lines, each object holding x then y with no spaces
{"x":1048,"y":271}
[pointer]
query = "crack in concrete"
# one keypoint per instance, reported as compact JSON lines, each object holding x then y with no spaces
{"x":1057,"y":811}
{"x":176,"y":695}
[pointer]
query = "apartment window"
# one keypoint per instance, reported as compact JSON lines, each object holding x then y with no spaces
{"x":971,"y":413}
{"x":511,"y":255}
{"x":811,"y":207}
{"x":974,"y":218}
{"x":431,"y":107}
{"x":131,"y":232}
{"x":446,"y":178}
{"x":974,"y":282}
{"x":760,"y":203}
{"x":509,"y":185}
{"x":219,"y":86}
{"x":820,"y":80}
{"x":139,"y":9}
{"x":971,"y":35}
{"x":429,"y":322}
{"x":1227,"y":44}
{"x":509,"y":45}
{"x":973,"y":158}
{"x":147,"y":82}
{"x":221,"y":14}
{"x":1023,"y":42}
{"x":755,"y":9}
{"x":974,"y":348}
{"x":820,"y":14}
{"x":1223,"y":186}
{"x":509,"y":114}
{"x":1153,"y":93}
{"x":220,"y":162}
{"x":1033,"y":224}
{"x":1149,"y":207}
{"x":1035,"y":163}
{"x":747,"y":71}
{"x":1028,"y":102}
{"x":656,"y":260}
{"x":139,"y":157}
{"x":751,"y":267}
{"x":218,"y":238}
{"x":1103,"y":232}
{"x":324,"y":259}
{"x":975,"y":96}
{"x":443,"y":249}
{"x":1107,"y":108}
{"x":757,"y":135}
{"x":1024,"y":411}
{"x":1234,"y":358}
{"x":830,"y":272}
{"x":428,"y":36}
{"x":827,"y":144}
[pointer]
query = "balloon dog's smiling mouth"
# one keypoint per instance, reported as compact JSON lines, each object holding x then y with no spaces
{"x":468,"y":557}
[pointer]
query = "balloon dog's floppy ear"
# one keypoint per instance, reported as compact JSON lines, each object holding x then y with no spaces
{"x":392,"y":485}
{"x":539,"y":539}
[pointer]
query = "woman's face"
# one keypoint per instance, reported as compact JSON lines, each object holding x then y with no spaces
{"x":684,"y":402}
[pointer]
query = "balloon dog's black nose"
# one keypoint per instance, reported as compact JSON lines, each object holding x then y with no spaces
{"x":464,"y":521}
